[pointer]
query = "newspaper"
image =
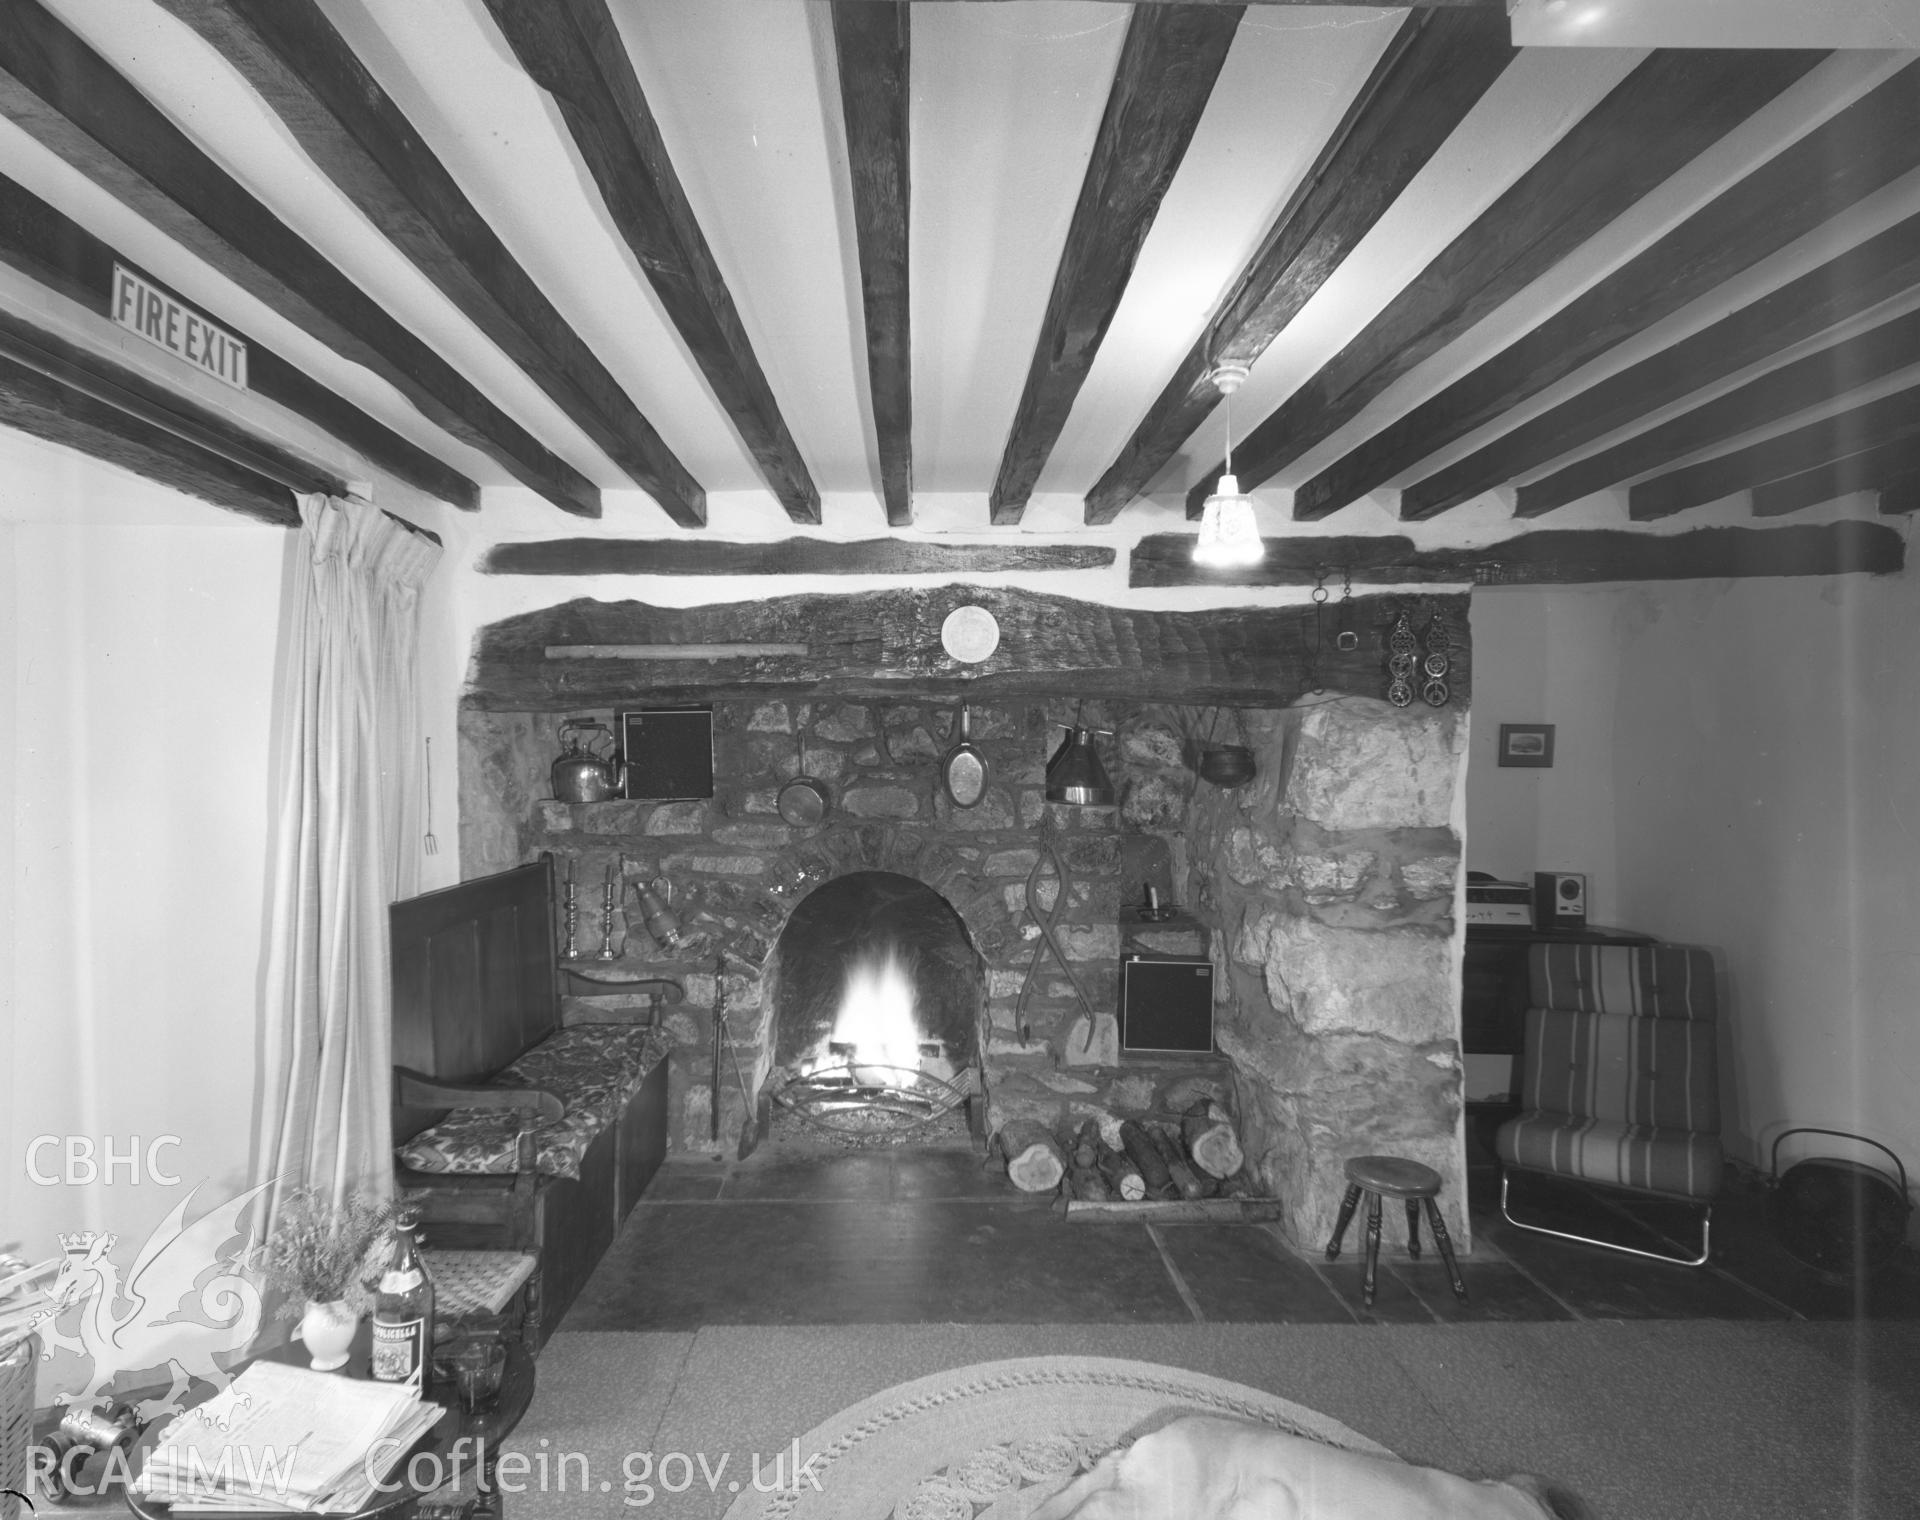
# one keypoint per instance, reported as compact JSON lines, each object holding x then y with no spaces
{"x":283,"y":1438}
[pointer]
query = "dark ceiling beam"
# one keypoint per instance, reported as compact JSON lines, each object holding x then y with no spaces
{"x":793,"y":556}
{"x":574,"y":51}
{"x":1815,"y":379}
{"x":1381,"y":5}
{"x":1168,"y":64}
{"x":872,"y":45}
{"x":1901,"y":496}
{"x":1544,"y":557}
{"x":1887,"y":420}
{"x":1436,"y":67}
{"x":83,"y":370}
{"x":108,"y":416}
{"x":1675,"y":104}
{"x":1872,"y":470}
{"x":67,"y":97}
{"x":1849,"y":156}
{"x":52,"y":248}
{"x":302,"y":67}
{"x":1837,"y":291}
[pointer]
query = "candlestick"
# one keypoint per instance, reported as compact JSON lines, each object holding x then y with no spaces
{"x":572,"y":949}
{"x":606,"y":921}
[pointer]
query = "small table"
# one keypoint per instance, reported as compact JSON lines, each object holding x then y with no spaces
{"x":482,"y":1428}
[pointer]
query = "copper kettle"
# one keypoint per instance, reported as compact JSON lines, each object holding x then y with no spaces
{"x":583,"y":773}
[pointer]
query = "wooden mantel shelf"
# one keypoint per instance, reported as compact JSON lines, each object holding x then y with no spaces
{"x":886,"y":645}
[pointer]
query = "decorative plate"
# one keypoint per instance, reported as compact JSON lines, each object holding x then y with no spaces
{"x":970,"y":634}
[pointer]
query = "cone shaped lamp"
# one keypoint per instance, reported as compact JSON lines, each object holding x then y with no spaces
{"x":1229,"y":536}
{"x":1075,"y":774}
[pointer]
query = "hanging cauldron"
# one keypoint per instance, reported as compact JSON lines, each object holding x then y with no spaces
{"x":1226,"y":765}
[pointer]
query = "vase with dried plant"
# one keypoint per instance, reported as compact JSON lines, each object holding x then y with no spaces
{"x":326,"y":1254}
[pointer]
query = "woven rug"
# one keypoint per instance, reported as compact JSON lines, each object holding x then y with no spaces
{"x":992,"y":1441}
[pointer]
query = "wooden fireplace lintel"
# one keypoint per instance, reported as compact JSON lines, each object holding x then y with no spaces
{"x":886,"y":645}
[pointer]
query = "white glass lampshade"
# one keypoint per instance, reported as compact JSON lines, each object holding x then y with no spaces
{"x":1228,"y":534}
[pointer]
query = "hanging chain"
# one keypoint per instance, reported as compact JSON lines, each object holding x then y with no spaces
{"x":1319,"y":608}
{"x":1346,"y":638}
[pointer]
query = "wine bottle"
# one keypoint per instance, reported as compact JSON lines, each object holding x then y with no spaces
{"x":403,"y":1311}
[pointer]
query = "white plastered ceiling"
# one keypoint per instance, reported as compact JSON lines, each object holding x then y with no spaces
{"x":1006,"y":101}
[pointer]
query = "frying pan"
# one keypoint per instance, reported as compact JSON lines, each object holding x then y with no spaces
{"x":963,"y":770}
{"x":803,"y":801}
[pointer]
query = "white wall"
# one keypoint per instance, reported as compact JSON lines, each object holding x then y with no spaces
{"x":1545,"y":657}
{"x":141,"y":676}
{"x":1735,"y":769}
{"x":139,"y":631}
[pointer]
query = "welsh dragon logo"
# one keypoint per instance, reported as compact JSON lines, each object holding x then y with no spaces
{"x":186,"y":1303}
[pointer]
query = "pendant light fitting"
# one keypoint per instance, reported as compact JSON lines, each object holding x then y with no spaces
{"x":1229,"y":536}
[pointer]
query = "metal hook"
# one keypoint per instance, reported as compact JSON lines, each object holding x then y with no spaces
{"x":1319,"y":634}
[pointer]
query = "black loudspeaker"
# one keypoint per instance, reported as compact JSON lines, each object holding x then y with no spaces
{"x":1166,"y":1005}
{"x":666,"y":753}
{"x":1559,"y":900}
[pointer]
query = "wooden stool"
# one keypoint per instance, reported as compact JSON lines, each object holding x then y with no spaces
{"x":1394,"y":1177}
{"x":488,"y":1284}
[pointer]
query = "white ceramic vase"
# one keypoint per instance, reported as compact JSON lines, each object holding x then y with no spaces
{"x":328,"y":1330}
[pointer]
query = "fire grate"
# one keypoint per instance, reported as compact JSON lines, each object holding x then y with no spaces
{"x":869,"y":1102}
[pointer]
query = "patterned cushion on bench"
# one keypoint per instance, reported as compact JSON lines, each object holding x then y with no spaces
{"x":594,"y":1069}
{"x":1619,"y":1080}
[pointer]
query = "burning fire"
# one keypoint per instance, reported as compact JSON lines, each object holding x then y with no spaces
{"x":875,"y":1021}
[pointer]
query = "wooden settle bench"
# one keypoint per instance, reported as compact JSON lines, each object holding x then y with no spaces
{"x":519,"y":1134}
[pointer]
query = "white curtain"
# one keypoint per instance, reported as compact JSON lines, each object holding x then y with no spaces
{"x":346,"y":843}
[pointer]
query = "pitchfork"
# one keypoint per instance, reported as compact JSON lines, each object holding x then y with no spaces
{"x":430,"y":844}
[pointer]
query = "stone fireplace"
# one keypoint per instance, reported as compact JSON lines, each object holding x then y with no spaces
{"x":775,"y":918}
{"x":1323,"y":889}
{"x":877,"y":966}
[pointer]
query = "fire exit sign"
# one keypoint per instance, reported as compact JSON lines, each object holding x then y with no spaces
{"x":144,"y":308}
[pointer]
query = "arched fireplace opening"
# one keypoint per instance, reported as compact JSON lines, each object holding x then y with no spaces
{"x":875,"y":975}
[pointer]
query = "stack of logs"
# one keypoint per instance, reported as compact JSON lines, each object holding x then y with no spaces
{"x":1199,"y":1157}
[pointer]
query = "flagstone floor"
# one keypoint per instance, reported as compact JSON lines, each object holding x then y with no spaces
{"x":931,"y":1234}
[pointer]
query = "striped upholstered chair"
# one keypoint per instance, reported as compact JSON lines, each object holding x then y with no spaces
{"x":1619,"y":1083}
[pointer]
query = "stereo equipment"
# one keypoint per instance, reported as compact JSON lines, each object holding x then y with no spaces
{"x":1501,"y":915}
{"x":666,"y":753}
{"x":1508,"y":904}
{"x":1166,"y":1004}
{"x":1559,"y":900}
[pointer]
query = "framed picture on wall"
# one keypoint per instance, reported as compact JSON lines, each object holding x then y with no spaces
{"x":1526,"y":744}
